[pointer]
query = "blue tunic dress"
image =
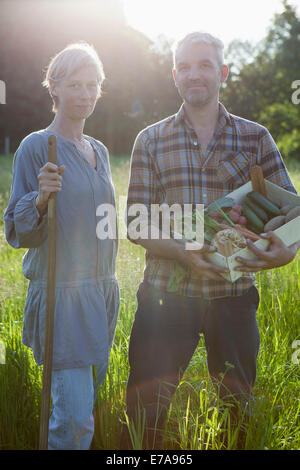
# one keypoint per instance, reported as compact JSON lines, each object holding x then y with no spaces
{"x":87,"y":292}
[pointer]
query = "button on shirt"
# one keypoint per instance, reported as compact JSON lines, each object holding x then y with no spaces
{"x":168,"y":166}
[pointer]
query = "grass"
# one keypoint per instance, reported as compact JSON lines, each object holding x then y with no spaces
{"x":196,"y":419}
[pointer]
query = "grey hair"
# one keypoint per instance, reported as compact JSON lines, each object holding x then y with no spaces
{"x":67,"y":61}
{"x":199,"y":37}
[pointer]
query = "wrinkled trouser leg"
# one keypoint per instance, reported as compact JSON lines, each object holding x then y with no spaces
{"x":162,"y":342}
{"x":71,"y":423}
{"x":232,"y":344}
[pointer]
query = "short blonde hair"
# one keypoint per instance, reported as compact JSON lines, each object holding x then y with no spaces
{"x":69,"y":60}
{"x":199,"y":37}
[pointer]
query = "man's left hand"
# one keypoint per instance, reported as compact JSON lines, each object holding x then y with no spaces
{"x":277,"y":255}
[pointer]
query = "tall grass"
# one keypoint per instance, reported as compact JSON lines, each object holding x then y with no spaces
{"x":196,"y":420}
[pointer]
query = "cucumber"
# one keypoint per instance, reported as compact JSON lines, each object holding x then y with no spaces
{"x":254,"y":229}
{"x":253,"y":220}
{"x":257,"y":209}
{"x":264,"y":203}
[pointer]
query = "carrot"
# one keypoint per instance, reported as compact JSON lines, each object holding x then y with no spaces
{"x":247,"y":233}
{"x":244,"y":231}
{"x":225,"y":226}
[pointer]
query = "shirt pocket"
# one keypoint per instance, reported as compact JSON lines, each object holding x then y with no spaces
{"x":234,"y":170}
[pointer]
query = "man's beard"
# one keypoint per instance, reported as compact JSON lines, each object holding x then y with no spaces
{"x":196,"y":99}
{"x":199,"y":98}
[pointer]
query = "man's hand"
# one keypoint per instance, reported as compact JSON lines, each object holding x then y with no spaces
{"x":195,"y":260}
{"x":277,"y":255}
{"x":172,"y":249}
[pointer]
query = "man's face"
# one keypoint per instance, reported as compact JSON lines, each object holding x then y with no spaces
{"x":198,"y":74}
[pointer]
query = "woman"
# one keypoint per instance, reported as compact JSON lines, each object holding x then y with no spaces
{"x":87,"y":293}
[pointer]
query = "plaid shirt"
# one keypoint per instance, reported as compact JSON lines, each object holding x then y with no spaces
{"x":168,"y":166}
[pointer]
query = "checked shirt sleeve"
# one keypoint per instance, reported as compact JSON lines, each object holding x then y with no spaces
{"x":143,"y":184}
{"x":271,"y":162}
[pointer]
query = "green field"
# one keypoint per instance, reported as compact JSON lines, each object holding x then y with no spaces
{"x":196,"y":420}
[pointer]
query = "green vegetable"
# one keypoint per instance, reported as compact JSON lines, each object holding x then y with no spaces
{"x":253,"y":229}
{"x":253,"y":220}
{"x":177,"y":276}
{"x":209,"y":234}
{"x":215,"y":206}
{"x":256,"y":209}
{"x":264,"y":203}
{"x":223,"y":202}
{"x":211,"y":223}
{"x":211,"y":226}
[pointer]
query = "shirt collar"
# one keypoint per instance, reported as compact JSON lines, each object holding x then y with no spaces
{"x":224,"y":116}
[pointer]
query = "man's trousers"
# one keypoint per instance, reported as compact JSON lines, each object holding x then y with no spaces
{"x":164,"y":337}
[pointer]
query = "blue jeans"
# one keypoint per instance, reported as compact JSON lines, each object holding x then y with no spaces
{"x":71,"y":423}
{"x":164,"y":337}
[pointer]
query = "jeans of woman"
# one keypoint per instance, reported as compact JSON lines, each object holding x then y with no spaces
{"x":164,"y":337}
{"x":71,"y":423}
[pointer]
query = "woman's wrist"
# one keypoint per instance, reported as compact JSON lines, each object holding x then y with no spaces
{"x":41,"y":206}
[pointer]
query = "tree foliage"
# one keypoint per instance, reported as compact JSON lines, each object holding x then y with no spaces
{"x":261,"y":88}
{"x":139,"y":88}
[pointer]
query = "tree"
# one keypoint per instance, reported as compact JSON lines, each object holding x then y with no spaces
{"x":261,"y":89}
{"x":135,"y":92}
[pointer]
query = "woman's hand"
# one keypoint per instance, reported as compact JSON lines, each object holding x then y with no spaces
{"x":277,"y":255}
{"x":50,"y":181}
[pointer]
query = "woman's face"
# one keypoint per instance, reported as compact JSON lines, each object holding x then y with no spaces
{"x":77,"y":94}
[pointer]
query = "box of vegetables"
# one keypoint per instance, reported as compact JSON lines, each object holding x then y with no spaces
{"x":244,"y":214}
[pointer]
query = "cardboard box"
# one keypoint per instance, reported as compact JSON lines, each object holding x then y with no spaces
{"x":289,"y":233}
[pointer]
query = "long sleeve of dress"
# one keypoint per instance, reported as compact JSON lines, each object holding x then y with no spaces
{"x":23,"y":226}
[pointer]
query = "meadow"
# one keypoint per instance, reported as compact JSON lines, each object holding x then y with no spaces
{"x":196,"y":419}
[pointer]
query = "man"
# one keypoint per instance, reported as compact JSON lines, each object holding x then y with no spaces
{"x":196,"y":156}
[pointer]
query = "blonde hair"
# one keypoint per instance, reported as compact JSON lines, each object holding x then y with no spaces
{"x":199,"y":37}
{"x":69,"y":60}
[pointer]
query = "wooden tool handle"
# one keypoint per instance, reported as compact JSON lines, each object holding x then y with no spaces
{"x":257,"y":180}
{"x":52,"y":149}
{"x":52,"y":158}
{"x":50,"y":304}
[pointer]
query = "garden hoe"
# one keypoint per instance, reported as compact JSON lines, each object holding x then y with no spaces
{"x":50,"y":303}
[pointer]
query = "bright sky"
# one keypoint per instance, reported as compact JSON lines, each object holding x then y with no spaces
{"x":227,"y":19}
